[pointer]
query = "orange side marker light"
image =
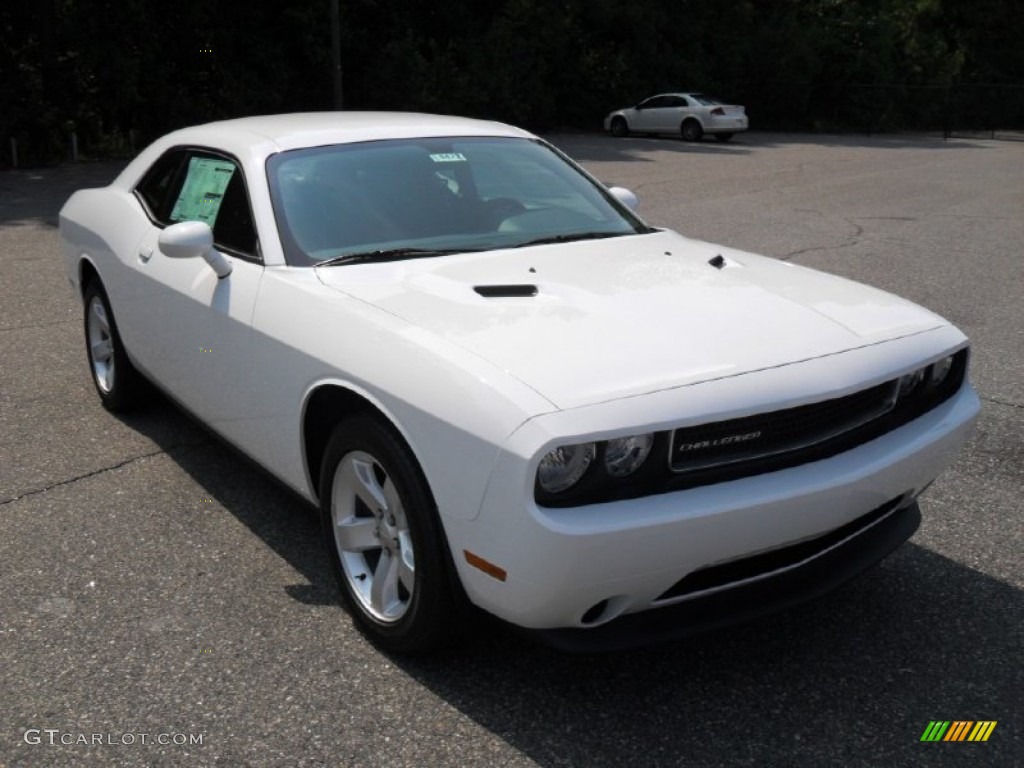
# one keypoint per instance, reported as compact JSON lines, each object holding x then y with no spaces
{"x":492,"y":570}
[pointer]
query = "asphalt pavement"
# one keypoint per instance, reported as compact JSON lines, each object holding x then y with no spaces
{"x":163,"y":602}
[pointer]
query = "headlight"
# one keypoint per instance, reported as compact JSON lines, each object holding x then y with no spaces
{"x":562,"y":468}
{"x":924,"y":380}
{"x":941,"y":369}
{"x":910,"y":382}
{"x":625,"y":455}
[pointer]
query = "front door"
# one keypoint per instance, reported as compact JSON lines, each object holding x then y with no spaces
{"x":197,"y":328}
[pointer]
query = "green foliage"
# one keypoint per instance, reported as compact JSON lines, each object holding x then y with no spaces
{"x":120,"y":73}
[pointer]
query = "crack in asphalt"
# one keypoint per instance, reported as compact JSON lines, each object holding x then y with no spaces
{"x":789,"y":256}
{"x":100,"y":471}
{"x":1002,"y":402}
{"x":858,"y":229}
{"x":887,"y":218}
{"x":853,"y":239}
{"x":37,"y":325}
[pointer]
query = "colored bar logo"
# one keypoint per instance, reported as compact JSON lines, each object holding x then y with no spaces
{"x":958,"y":730}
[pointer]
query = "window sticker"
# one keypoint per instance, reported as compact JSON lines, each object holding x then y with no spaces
{"x":203,"y":190}
{"x":449,"y":157}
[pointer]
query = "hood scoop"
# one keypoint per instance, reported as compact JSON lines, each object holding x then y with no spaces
{"x":522,"y":291}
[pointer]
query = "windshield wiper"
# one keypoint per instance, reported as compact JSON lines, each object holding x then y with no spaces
{"x":569,"y":238}
{"x":391,"y":254}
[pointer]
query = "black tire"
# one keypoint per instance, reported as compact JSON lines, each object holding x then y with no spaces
{"x":121,"y":388}
{"x":691,"y":130}
{"x":721,"y":138}
{"x":370,"y":545}
{"x":619,"y":127}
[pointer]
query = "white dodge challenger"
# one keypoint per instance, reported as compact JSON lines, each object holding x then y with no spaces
{"x":501,"y":387}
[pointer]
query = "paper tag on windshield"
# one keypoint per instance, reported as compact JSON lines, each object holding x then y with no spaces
{"x":449,"y":157}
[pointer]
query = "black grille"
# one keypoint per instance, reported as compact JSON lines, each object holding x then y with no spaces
{"x":766,"y":434}
{"x":786,"y":438}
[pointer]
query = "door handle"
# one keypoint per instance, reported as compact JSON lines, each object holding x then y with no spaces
{"x":145,"y":254}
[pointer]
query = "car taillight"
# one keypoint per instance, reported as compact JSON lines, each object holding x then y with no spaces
{"x":717,"y":111}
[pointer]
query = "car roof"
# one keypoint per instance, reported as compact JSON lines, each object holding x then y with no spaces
{"x":253,"y":139}
{"x":310,"y":129}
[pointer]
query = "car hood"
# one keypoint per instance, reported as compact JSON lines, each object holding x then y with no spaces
{"x":630,"y":315}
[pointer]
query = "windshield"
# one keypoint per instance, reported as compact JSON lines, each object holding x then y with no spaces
{"x":409,"y":198}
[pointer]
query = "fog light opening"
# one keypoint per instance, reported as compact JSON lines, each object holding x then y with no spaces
{"x":604,"y":611}
{"x":593,"y":614}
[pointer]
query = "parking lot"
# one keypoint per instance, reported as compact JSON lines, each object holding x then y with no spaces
{"x":157,"y":586}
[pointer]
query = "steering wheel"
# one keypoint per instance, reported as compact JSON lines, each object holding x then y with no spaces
{"x":497,"y":209}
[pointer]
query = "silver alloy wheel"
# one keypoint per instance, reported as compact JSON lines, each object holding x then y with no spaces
{"x":372,"y":536}
{"x":101,"y":345}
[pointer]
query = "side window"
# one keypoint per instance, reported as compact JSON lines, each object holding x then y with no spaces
{"x":155,"y":187}
{"x":190,"y":185}
{"x":679,"y":101}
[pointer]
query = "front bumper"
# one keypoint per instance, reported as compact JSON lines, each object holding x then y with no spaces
{"x":779,"y":591}
{"x":582,"y":567}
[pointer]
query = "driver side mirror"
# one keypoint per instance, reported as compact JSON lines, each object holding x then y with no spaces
{"x":625,"y":196}
{"x":189,"y":239}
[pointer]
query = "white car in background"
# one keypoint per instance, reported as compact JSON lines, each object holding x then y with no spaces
{"x":501,"y":387}
{"x":690,"y":115}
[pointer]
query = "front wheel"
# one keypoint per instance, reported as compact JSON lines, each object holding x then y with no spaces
{"x":691,"y":130}
{"x":619,"y":127}
{"x":384,"y":539}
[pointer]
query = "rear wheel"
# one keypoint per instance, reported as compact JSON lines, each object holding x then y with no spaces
{"x":384,"y":539}
{"x":723,"y":137}
{"x":691,"y":130}
{"x":119,"y":385}
{"x":619,"y":127}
